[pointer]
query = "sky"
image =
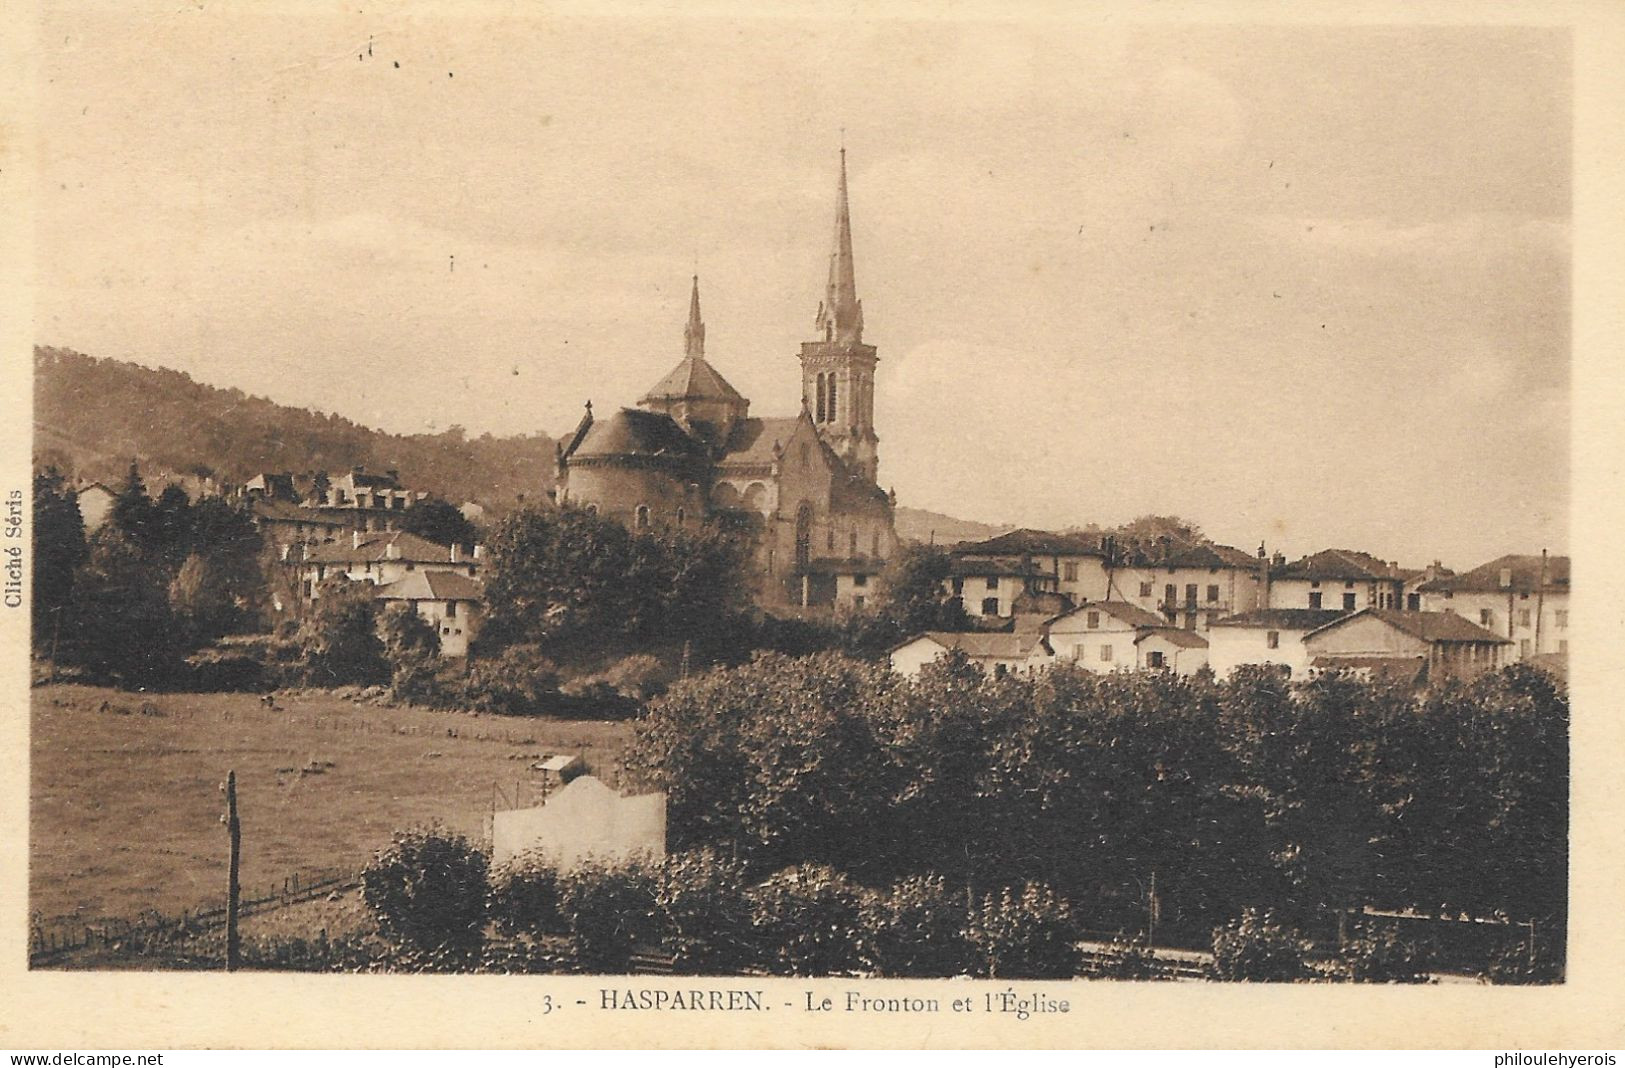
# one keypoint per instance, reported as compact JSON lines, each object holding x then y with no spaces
{"x":1304,"y":285}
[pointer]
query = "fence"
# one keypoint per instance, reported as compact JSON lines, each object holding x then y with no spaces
{"x":52,"y":942}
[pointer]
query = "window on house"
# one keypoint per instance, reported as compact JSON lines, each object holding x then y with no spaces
{"x":1523,"y":617}
{"x":321,"y":572}
{"x":309,"y":586}
{"x":451,"y":609}
{"x":1212,"y":594}
{"x":1094,"y":620}
{"x":859,"y":600}
{"x":874,"y":544}
{"x":1314,"y":599}
{"x":1105,"y":654}
{"x":1190,"y":593}
{"x":411,"y":565}
{"x":1523,"y":647}
{"x":682,"y":514}
{"x":1562,"y":619}
{"x":1413,"y":601}
{"x":993,"y":582}
{"x":829,"y":540}
{"x":999,"y":670}
{"x":1069,"y":571}
{"x":1272,"y":639}
{"x":1154,"y":659}
{"x":1170,"y":593}
{"x":852,"y":543}
{"x":1486,"y":618}
{"x":1348,"y":585}
{"x":860,"y":580}
{"x":643,"y":517}
{"x":959,"y":586}
{"x":1348,"y":602}
{"x":990,"y":606}
{"x":1315,"y":584}
{"x":1145,"y":589}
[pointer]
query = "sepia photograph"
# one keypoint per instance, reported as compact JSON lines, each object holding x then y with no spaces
{"x":798,"y":496}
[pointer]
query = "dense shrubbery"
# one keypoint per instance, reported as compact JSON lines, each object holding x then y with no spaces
{"x":427,"y":892}
{"x":1258,"y":948}
{"x":1252,"y":793}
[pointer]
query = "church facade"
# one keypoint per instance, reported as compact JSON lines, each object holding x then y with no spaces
{"x":804,"y":485}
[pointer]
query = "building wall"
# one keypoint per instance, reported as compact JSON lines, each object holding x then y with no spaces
{"x":583,"y":821}
{"x":1230,"y":647}
{"x":1074,"y":640}
{"x":1513,"y":616}
{"x":1373,"y":637}
{"x":378,"y":572}
{"x":1178,"y":658}
{"x":616,"y":491}
{"x":456,"y":627}
{"x":1237,"y":591}
{"x":1297,"y":593}
{"x":909,"y":658}
{"x":974,"y":590}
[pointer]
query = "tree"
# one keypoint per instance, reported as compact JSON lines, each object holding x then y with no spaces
{"x":58,"y":551}
{"x":439,"y":521}
{"x":340,"y":637}
{"x":915,"y":593}
{"x":428,"y":892}
{"x":412,"y":650}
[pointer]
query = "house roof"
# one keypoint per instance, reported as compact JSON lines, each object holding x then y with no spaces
{"x":1427,"y":626}
{"x":1525,"y":576}
{"x":1009,"y":645}
{"x":1341,"y":565}
{"x":431,"y":586}
{"x":376,"y":546}
{"x":1185,"y":639}
{"x":633,"y":432}
{"x":1210,"y":555}
{"x":1025,"y":541}
{"x":1281,"y":618}
{"x":1132,"y":614}
{"x":976,"y":568}
{"x":692,"y":379}
{"x":752,"y":440}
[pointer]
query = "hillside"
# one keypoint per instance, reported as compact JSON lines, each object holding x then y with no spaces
{"x":92,"y":416}
{"x":917,"y":524}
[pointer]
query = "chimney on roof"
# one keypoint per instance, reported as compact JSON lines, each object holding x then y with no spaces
{"x":479,"y":552}
{"x":355,"y":539}
{"x":456,"y":553}
{"x":391,"y":550}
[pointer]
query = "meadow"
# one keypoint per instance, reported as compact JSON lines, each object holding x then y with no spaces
{"x":126,"y":800}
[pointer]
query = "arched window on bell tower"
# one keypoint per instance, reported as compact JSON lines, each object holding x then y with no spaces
{"x":833,"y":407}
{"x":821,"y":403}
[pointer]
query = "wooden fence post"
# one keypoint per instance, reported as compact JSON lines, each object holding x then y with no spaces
{"x":233,"y":889}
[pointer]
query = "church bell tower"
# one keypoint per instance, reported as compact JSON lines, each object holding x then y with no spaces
{"x":838,"y":370}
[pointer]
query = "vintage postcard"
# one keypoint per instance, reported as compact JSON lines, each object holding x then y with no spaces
{"x":990,"y":525}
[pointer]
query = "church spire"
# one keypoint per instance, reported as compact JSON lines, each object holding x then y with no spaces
{"x":694,"y":332}
{"x":840,"y":317}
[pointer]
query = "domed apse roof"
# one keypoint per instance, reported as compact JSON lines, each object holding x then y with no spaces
{"x":630,"y":432}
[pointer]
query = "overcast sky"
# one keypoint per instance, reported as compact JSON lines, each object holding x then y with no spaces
{"x":1303,"y":285}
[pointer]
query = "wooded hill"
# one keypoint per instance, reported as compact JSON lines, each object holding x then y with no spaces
{"x":93,"y":416}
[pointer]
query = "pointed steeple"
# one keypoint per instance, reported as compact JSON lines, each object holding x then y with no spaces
{"x":694,"y":332}
{"x":840,"y":317}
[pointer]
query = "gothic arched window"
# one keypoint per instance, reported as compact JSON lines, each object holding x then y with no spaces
{"x":832,"y":407}
{"x":643,"y":517}
{"x":821,"y":402}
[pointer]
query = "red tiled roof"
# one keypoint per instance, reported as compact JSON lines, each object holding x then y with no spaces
{"x":1185,"y":639}
{"x":431,"y":586}
{"x":1004,"y":644}
{"x":1132,"y":614}
{"x":1282,"y":618}
{"x":375,"y":547}
{"x":1025,"y":541}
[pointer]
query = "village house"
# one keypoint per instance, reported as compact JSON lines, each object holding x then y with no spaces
{"x":1524,"y":599}
{"x":996,"y":653}
{"x":803,"y":485}
{"x":1265,"y":636}
{"x":1073,"y":565}
{"x":991,"y":588}
{"x":1410,"y":646}
{"x":1343,"y":579}
{"x":1196,"y":585}
{"x":1172,"y":649}
{"x":381,"y":558}
{"x":1105,"y":636}
{"x":366,"y":502}
{"x":450,"y":601}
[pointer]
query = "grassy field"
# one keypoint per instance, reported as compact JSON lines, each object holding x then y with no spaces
{"x":126,"y":801}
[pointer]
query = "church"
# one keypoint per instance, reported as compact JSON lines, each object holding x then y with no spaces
{"x":804,"y":485}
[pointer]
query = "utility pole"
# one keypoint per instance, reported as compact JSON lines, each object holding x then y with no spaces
{"x":233,"y":888}
{"x":1151,"y":914}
